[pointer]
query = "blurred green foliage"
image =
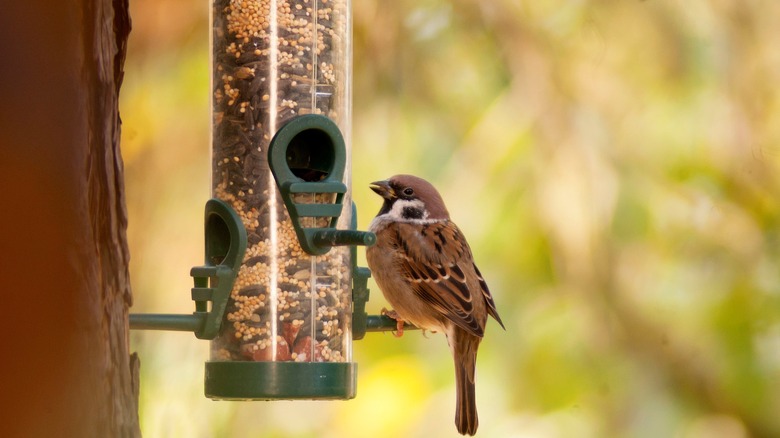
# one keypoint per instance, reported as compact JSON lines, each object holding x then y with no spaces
{"x":615,"y":164}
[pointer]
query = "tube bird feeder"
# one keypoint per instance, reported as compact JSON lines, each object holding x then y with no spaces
{"x":280,"y":108}
{"x":275,"y":296}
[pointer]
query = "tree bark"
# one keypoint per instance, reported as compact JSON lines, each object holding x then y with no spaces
{"x":65,"y":288}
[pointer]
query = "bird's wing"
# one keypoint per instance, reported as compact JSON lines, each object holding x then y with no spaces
{"x":436,"y":261}
{"x":491,"y":305}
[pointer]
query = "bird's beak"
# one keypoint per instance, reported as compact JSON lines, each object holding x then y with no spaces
{"x":383,"y":189}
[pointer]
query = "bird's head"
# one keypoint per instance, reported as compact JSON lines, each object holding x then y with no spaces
{"x":408,"y":198}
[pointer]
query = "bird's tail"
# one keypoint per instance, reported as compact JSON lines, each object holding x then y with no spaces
{"x":465,"y":348}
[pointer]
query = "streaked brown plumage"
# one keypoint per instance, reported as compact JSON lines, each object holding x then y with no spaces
{"x":425,"y":269}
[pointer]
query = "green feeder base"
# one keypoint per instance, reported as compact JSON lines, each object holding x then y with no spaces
{"x":280,"y":380}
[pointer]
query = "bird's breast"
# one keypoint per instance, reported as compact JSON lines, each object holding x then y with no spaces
{"x":383,"y":261}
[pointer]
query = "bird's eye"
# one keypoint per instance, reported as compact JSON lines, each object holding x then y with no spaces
{"x":408,"y":191}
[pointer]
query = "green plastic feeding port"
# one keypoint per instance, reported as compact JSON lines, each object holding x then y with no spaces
{"x":307,"y":157}
{"x":225,"y":244}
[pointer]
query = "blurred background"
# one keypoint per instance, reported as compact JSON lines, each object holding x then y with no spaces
{"x":615,"y":165}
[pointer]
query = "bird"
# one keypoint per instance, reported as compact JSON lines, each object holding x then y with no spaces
{"x":426,"y":272}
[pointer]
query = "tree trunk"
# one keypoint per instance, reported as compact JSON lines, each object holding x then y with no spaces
{"x":65,"y":365}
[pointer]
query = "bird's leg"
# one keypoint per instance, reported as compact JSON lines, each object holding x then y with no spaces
{"x":399,"y":322}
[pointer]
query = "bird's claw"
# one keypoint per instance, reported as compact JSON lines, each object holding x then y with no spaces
{"x":399,"y":323}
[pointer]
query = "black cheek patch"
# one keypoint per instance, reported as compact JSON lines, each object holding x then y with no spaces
{"x":412,"y":213}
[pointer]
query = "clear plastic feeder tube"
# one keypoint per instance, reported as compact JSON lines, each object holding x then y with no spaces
{"x":273,"y":60}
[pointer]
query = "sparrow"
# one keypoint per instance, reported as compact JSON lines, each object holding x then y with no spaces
{"x":424,"y":267}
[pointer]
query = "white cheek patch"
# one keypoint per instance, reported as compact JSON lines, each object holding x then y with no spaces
{"x":397,"y":212}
